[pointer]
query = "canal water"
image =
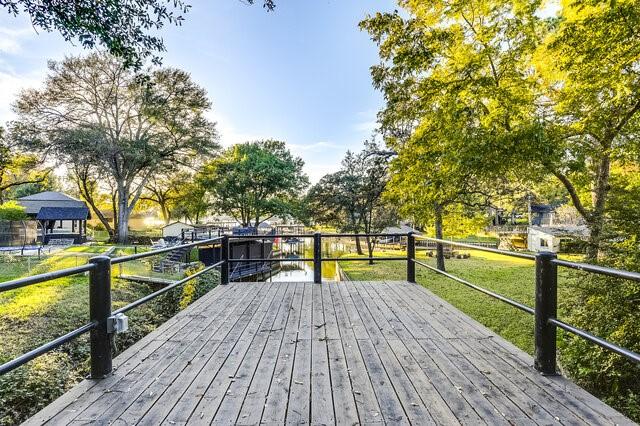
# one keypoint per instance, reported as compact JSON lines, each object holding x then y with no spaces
{"x":291,"y":270}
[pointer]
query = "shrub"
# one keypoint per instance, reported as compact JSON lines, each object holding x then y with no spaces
{"x":608,"y":308}
{"x":12,"y":211}
{"x":30,"y":388}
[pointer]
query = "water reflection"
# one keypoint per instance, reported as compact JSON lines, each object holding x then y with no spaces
{"x":292,"y":270}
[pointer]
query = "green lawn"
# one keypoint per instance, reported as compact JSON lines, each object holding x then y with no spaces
{"x":508,"y":276}
{"x":16,"y":267}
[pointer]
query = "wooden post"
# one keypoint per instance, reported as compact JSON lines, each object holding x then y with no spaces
{"x":99,"y":312}
{"x":546,"y":308}
{"x":317,"y":258}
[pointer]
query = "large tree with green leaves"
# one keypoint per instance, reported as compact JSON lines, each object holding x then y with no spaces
{"x":126,"y":28}
{"x":94,"y":111}
{"x":545,"y":96}
{"x":458,"y":100}
{"x":351,"y":199}
{"x":590,"y":112}
{"x":255,"y":181}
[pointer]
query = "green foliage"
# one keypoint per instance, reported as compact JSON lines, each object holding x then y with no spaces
{"x":351,"y":199}
{"x":126,"y":28}
{"x":19,"y":171}
{"x":254,"y":181}
{"x":113,"y":127}
{"x":191,"y":200}
{"x":12,"y":211}
{"x":30,"y":388}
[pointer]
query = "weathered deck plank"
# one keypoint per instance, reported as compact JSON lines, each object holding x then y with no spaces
{"x":336,"y":353}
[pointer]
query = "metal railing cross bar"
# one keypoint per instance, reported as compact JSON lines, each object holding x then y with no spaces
{"x":137,"y":256}
{"x":633,"y":356}
{"x":511,"y":302}
{"x":163,"y":290}
{"x":47,"y":276}
{"x":47,"y":347}
{"x":479,"y":248}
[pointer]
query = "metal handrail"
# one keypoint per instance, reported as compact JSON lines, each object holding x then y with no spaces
{"x":49,"y":346}
{"x":545,"y":311}
{"x":47,"y":276}
{"x":137,"y":256}
{"x":479,"y":248}
{"x":511,"y":302}
{"x":601,"y":270}
{"x":598,"y":341}
{"x":93,"y":268}
{"x":170,"y":287}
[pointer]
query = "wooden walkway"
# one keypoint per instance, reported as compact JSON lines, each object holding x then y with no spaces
{"x":337,"y":353}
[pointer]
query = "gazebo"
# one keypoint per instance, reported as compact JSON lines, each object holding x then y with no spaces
{"x":59,"y":216}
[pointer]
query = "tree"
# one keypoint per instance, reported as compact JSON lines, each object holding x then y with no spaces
{"x":351,"y":199}
{"x":589,"y":67}
{"x":17,"y":169}
{"x":457,"y":101}
{"x":94,"y":111}
{"x":164,"y":189}
{"x":125,"y":27}
{"x":191,"y":201}
{"x":254,"y":181}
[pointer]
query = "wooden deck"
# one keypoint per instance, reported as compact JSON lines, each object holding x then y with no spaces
{"x":336,"y":353}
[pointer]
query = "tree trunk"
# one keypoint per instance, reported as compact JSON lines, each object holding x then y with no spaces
{"x":596,"y":220}
{"x":358,"y":246}
{"x":123,"y":216}
{"x":83,"y":187}
{"x":166,"y":216}
{"x":439,"y":247}
{"x":370,"y":248}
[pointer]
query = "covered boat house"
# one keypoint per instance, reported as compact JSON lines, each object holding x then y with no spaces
{"x":60,"y":218}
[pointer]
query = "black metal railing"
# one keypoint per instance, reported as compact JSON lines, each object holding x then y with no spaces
{"x":545,"y":311}
{"x":99,"y":269}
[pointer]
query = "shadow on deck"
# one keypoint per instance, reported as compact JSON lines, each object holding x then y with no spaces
{"x":345,"y":353}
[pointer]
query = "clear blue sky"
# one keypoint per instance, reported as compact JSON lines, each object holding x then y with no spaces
{"x":299,"y":74}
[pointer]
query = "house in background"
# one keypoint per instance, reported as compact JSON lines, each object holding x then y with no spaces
{"x":175,"y":229}
{"x":60,"y":217}
{"x":556,"y":239}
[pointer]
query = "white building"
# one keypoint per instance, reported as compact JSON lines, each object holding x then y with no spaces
{"x":175,"y":229}
{"x":551,"y":238}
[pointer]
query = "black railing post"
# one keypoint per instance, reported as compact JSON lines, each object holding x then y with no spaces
{"x":546,"y":307}
{"x":99,"y":312}
{"x":411,"y":256}
{"x":224,"y":257}
{"x":317,"y":258}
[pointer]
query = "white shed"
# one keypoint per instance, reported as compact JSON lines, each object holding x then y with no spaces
{"x":175,"y":229}
{"x":550,"y":238}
